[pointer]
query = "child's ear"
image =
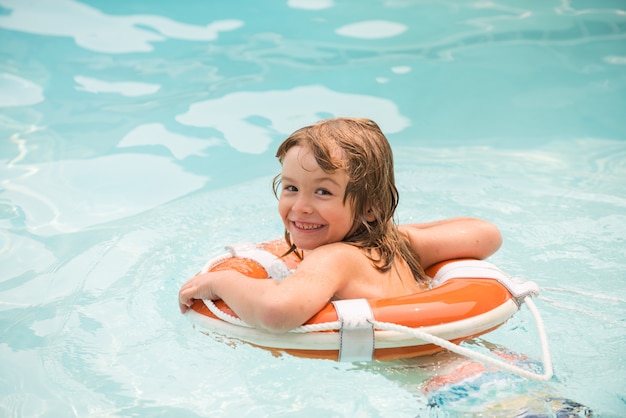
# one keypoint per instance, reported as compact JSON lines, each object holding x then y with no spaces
{"x":369,"y":213}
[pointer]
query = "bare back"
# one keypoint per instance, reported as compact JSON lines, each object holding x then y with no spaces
{"x":346,"y":270}
{"x":356,"y":277}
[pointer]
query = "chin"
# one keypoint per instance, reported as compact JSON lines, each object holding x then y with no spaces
{"x":305,"y":246}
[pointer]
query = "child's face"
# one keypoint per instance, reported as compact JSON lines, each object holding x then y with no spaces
{"x":311,"y":201}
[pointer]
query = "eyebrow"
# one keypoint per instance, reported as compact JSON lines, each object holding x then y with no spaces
{"x":318,"y":180}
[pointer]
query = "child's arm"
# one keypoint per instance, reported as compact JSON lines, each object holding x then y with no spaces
{"x":276,"y":306}
{"x":453,"y":238}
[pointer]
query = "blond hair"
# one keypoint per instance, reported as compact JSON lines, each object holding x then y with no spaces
{"x":359,"y":147}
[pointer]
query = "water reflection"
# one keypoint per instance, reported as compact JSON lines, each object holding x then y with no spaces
{"x":97,"y":31}
{"x":291,"y":109}
{"x":72,"y":195}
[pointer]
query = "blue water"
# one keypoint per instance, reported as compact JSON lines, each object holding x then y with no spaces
{"x":138,"y":140}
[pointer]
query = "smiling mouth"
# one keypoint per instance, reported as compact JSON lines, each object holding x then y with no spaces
{"x":307,"y":226}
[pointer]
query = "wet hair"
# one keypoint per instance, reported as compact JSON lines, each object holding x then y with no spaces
{"x":359,"y":147}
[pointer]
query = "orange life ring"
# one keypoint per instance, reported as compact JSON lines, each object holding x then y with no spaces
{"x":463,"y":307}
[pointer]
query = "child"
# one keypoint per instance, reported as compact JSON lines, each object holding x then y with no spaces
{"x":337,"y":198}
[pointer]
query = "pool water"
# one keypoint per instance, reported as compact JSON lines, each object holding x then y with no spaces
{"x":138,"y":139}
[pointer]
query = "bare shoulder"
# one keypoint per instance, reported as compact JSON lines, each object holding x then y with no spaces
{"x":338,"y":253}
{"x":328,"y":269}
{"x":338,"y":262}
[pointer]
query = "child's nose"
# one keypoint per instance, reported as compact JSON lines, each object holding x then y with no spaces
{"x":302,"y":205}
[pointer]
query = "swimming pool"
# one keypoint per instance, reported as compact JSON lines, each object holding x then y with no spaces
{"x":138,"y":140}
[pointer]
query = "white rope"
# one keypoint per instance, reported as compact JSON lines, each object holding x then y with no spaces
{"x":223,"y":315}
{"x":500,"y":364}
{"x":543,"y":339}
{"x":417,"y":333}
{"x":424,"y":336}
{"x":429,"y":338}
{"x":303,"y":329}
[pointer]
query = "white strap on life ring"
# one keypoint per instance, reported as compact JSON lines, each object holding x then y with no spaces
{"x":274,"y":266}
{"x":479,"y":269}
{"x":356,"y":335}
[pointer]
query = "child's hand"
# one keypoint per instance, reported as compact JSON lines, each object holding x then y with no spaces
{"x":198,"y":287}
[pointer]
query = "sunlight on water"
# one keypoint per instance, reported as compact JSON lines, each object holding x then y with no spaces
{"x":233,"y":114}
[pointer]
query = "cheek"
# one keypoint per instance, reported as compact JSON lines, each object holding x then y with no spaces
{"x":349,"y":221}
{"x":283,"y":209}
{"x":345,"y":219}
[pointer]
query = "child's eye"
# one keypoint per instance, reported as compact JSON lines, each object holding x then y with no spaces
{"x":290,"y":188}
{"x":323,"y":192}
